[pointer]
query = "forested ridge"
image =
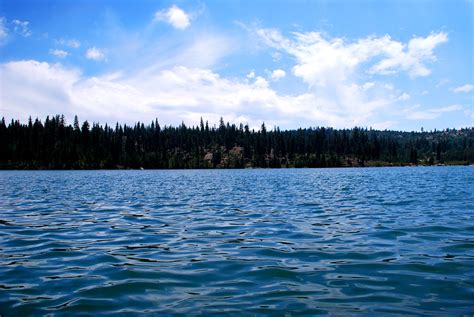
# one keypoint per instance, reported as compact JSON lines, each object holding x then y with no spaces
{"x":54,"y":144}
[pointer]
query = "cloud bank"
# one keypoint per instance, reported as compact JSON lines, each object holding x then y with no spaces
{"x":173,"y":95}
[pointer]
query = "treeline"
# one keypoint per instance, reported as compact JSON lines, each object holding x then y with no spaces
{"x":54,"y":144}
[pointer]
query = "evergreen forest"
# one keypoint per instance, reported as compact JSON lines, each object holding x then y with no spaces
{"x":55,"y":144}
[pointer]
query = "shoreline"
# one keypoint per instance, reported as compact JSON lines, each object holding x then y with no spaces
{"x":230,"y":168}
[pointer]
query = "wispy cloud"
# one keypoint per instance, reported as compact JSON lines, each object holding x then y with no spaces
{"x":3,"y":30}
{"x":174,"y":16}
{"x":464,"y":88}
{"x":442,"y":82}
{"x":416,"y":113}
{"x":202,"y":50}
{"x":58,"y":53}
{"x":95,"y":53}
{"x":21,"y":28}
{"x":72,"y":43}
{"x":404,"y":97}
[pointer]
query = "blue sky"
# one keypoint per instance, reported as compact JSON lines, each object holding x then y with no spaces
{"x":383,"y":64}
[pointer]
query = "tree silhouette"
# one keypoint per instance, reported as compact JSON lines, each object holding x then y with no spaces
{"x":56,"y":145}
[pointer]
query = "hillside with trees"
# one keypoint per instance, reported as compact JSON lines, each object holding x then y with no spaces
{"x":54,"y":144}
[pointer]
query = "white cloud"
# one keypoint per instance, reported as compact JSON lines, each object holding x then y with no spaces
{"x":416,"y":113}
{"x":95,"y":54}
{"x":464,"y":88}
{"x":409,"y":57}
{"x":330,"y":68}
{"x":58,"y":53}
{"x":404,"y":97}
{"x":45,"y":88}
{"x":261,"y":82}
{"x":251,"y":75}
{"x":21,"y":27}
{"x":317,"y":55}
{"x":174,"y":16}
{"x":172,"y":95}
{"x":277,"y":74}
{"x":3,"y":30}
{"x":336,"y":70}
{"x":424,"y":92}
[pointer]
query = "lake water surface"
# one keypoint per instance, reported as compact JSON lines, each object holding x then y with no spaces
{"x":288,"y":242}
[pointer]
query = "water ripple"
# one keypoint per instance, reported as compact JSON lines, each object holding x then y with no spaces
{"x":386,"y":241}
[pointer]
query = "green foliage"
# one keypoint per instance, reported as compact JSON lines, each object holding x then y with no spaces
{"x":53,"y":144}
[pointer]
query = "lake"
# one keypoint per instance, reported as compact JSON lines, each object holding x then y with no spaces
{"x":368,"y":241}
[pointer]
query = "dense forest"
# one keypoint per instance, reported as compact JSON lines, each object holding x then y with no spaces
{"x":54,"y":144}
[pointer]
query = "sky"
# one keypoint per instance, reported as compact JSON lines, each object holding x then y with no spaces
{"x":398,"y":65}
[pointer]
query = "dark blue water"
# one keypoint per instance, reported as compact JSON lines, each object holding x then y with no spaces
{"x":238,"y":242}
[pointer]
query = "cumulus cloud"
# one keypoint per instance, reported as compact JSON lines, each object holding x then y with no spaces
{"x":261,"y":82}
{"x":409,"y":57}
{"x":172,"y":95}
{"x":464,"y":88}
{"x":277,"y":74}
{"x":185,"y":94}
{"x":174,"y":16}
{"x":95,"y":53}
{"x":318,"y":55}
{"x":329,"y":67}
{"x":21,"y":28}
{"x":45,"y":88}
{"x":58,"y":53}
{"x":336,"y":70}
{"x":416,"y":113}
